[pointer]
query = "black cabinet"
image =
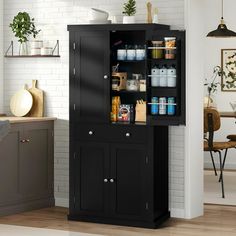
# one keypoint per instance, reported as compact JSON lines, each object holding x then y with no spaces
{"x":119,"y":170}
{"x":92,"y":71}
{"x":128,"y":189}
{"x":92,"y":167}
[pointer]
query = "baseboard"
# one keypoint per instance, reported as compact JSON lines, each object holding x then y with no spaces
{"x":62,"y":202}
{"x":28,"y":205}
{"x":177,"y":213}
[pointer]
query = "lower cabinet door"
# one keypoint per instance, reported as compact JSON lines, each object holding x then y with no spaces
{"x":10,"y":148}
{"x":128,"y":187}
{"x":36,"y":161}
{"x":91,"y":179}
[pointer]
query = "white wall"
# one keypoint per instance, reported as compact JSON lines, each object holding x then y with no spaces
{"x":213,"y":58}
{"x":194,"y":93}
{"x":1,"y":56}
{"x":52,"y":16}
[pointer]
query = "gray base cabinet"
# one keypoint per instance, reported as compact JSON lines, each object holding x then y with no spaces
{"x":26,"y":168}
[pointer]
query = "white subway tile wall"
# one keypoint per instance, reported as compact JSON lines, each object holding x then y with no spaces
{"x":52,"y":17}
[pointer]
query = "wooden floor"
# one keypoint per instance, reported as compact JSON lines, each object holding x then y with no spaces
{"x":217,"y":221}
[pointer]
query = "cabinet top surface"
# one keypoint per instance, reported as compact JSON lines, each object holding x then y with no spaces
{"x":26,"y":119}
{"x":118,"y":27}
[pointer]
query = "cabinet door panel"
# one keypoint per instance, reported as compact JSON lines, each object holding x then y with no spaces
{"x":91,"y":168}
{"x":177,"y":92}
{"x":92,"y":64}
{"x":128,"y":191}
{"x":9,"y":165}
{"x":36,"y":161}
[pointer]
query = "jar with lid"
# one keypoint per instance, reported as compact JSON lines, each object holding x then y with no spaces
{"x":157,"y":50}
{"x":170,"y":45}
{"x":133,"y":84}
{"x":122,"y":54}
{"x":131,"y":53}
{"x":140,"y":52}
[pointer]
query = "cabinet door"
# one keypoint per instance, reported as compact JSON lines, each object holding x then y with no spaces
{"x":179,"y":91}
{"x":10,"y":148}
{"x":128,"y":167}
{"x":36,"y":161}
{"x":91,"y":171}
{"x":92,"y":72}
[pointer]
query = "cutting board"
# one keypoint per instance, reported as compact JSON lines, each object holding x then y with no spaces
{"x":21,"y":103}
{"x":38,"y":98}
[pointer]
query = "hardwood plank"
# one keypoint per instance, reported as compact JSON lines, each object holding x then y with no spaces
{"x":217,"y":221}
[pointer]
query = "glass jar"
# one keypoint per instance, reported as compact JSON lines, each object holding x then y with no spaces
{"x":170,"y":44}
{"x":131,"y":53}
{"x":157,"y":51}
{"x":121,"y":54}
{"x":140,"y":52}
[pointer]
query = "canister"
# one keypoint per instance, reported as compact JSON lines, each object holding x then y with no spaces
{"x":35,"y":51}
{"x":162,"y":106}
{"x":131,"y":53}
{"x":121,"y":54}
{"x":140,"y":53}
{"x":46,"y":51}
{"x":171,"y":106}
{"x":37,"y":44}
{"x":157,"y":51}
{"x":170,"y":44}
{"x":171,"y":77}
{"x":155,"y":77}
{"x":163,"y":77}
{"x":154,"y":107}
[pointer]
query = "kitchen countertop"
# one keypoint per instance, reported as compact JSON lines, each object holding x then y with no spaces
{"x":26,"y":119}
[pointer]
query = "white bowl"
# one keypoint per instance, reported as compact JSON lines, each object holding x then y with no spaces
{"x":98,"y":14}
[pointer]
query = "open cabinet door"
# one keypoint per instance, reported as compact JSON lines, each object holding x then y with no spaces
{"x":166,"y":102}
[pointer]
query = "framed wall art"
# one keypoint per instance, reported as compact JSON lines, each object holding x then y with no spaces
{"x":228,"y":65}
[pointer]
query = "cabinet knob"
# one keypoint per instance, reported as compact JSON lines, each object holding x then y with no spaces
{"x":23,"y":141}
{"x":105,"y":77}
{"x":90,"y":132}
{"x":112,"y":180}
{"x":105,"y":180}
{"x":27,"y":140}
{"x":128,"y":134}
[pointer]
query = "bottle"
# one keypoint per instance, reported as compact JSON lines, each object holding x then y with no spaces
{"x":155,"y":77}
{"x":154,"y":106}
{"x":171,"y":77}
{"x":163,"y":77}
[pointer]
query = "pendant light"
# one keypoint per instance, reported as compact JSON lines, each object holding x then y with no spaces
{"x":222,"y":31}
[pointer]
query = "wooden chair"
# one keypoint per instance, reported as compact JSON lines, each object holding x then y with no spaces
{"x":211,"y":124}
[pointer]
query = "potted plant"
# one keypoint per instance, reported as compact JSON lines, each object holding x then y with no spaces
{"x":129,"y":12}
{"x":23,"y":26}
{"x":212,"y":86}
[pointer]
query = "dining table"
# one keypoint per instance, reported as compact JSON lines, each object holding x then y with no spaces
{"x":227,"y":114}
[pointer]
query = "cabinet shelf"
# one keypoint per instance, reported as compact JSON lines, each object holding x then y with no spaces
{"x":128,"y":123}
{"x":162,"y":60}
{"x":29,"y":56}
{"x":128,"y":92}
{"x":129,"y":61}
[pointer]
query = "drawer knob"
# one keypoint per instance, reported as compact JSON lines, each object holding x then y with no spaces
{"x":128,"y":134}
{"x":112,"y":180}
{"x":90,"y":132}
{"x":105,"y":180}
{"x":105,"y":77}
